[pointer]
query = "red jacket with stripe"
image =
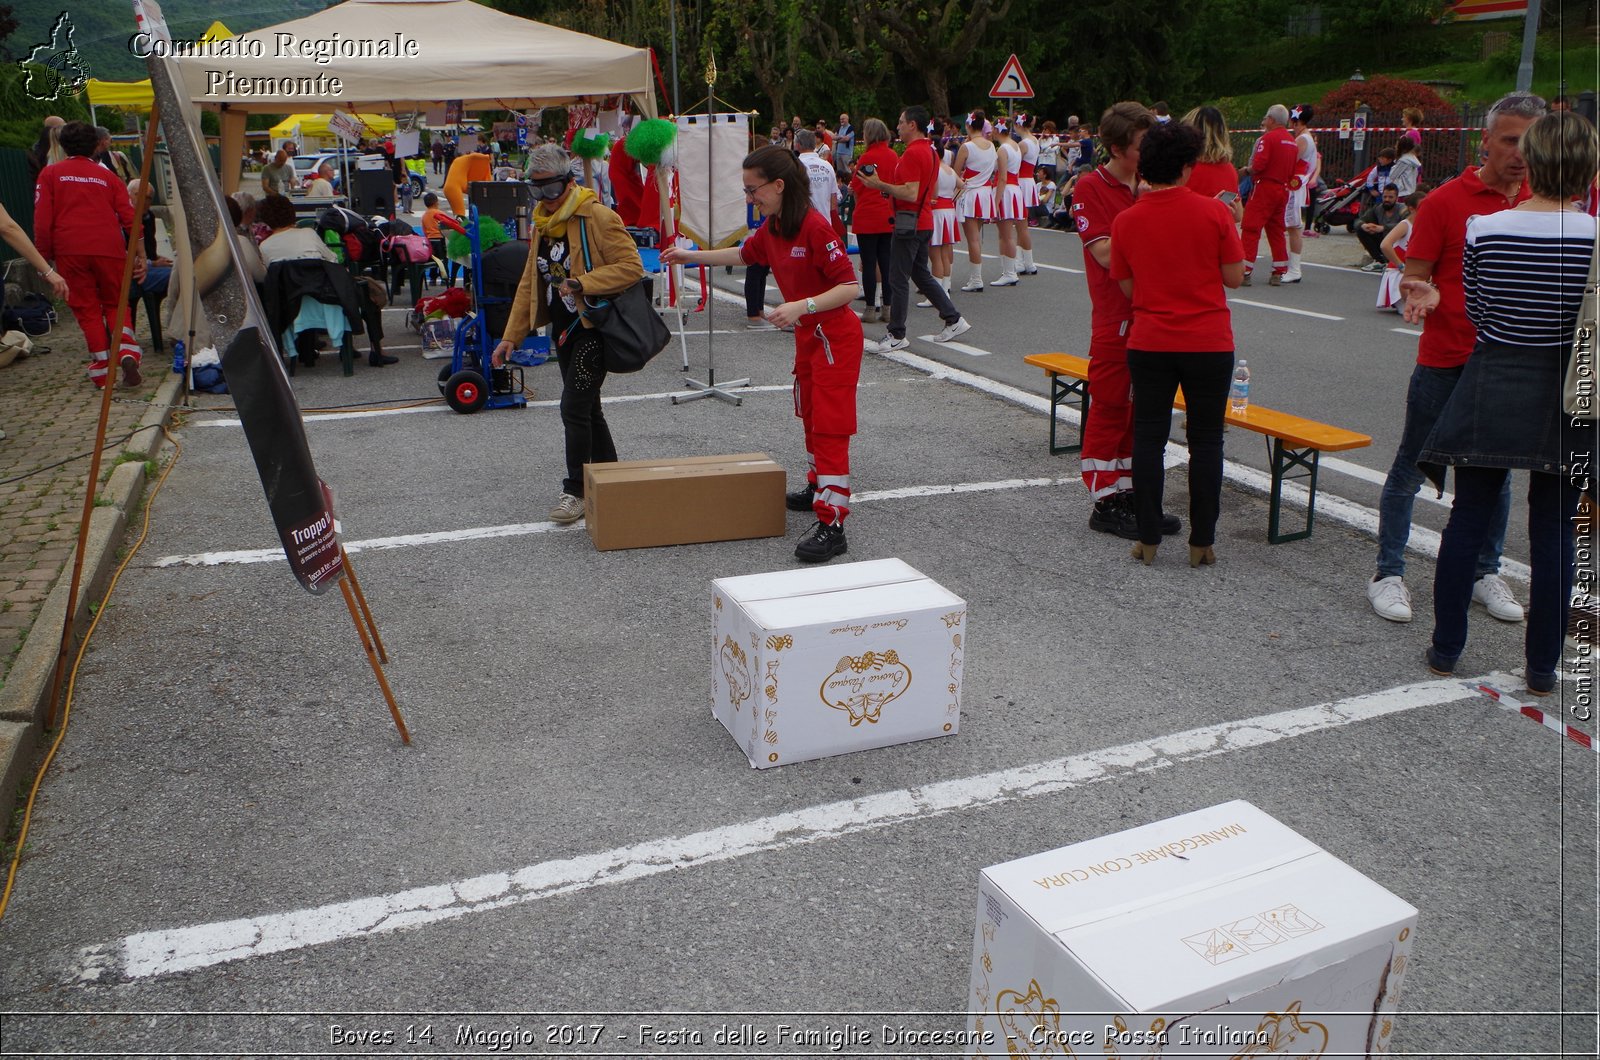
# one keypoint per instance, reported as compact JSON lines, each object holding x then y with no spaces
{"x":81,"y":208}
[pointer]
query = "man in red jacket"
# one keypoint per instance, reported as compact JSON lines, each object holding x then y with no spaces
{"x":1276,"y":169}
{"x":81,"y":220}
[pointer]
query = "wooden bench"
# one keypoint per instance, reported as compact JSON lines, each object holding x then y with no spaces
{"x":1296,"y":442}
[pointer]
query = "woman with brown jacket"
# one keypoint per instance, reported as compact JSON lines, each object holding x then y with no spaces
{"x":554,"y":286}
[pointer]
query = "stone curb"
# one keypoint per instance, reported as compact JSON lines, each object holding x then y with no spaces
{"x":23,"y":699}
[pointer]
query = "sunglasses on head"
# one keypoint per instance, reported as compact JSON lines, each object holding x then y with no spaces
{"x":551,"y":188}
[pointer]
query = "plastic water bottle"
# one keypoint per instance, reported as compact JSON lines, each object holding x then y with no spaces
{"x":1239,"y":392}
{"x":178,"y":357}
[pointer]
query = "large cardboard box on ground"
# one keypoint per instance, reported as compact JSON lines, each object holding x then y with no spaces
{"x":683,"y":501}
{"x":827,"y":660}
{"x":1217,"y":933}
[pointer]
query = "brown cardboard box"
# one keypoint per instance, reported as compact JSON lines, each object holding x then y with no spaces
{"x":683,"y":501}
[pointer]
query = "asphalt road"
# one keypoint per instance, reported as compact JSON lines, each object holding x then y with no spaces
{"x":233,"y":828}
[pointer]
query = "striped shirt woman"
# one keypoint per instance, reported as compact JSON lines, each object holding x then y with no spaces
{"x":1524,"y":274}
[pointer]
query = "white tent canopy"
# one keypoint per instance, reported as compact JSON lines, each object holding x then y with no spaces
{"x":486,"y":59}
{"x":449,"y":51}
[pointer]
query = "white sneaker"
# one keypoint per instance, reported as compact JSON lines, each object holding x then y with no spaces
{"x":888,"y":344}
{"x":924,"y":304}
{"x":974,"y":284}
{"x":951,"y":331}
{"x":1492,"y":592}
{"x":1390,"y":598}
{"x":568,"y":509}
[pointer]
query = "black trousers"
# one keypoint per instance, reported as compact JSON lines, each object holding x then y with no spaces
{"x":875,"y":262}
{"x":588,"y":438}
{"x":1372,"y":242}
{"x":755,"y":289}
{"x":1205,"y":378}
{"x":908,"y":264}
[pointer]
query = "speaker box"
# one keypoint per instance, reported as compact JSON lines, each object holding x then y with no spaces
{"x":372,"y":192}
{"x":504,"y":200}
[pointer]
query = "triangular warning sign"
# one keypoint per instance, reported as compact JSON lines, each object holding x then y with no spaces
{"x":1012,"y":82}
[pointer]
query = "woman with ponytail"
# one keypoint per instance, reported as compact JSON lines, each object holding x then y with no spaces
{"x":812,"y":267}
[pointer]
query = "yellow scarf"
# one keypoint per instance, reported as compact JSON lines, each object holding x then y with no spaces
{"x":554,"y":225}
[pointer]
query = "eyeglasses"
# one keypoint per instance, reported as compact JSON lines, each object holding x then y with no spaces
{"x":750,"y":193}
{"x":551,"y":188}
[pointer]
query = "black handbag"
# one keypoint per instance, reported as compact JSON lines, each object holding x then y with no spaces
{"x":630,"y":328}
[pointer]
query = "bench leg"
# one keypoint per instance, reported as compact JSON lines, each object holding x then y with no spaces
{"x":1074,"y":393}
{"x":1284,"y":462}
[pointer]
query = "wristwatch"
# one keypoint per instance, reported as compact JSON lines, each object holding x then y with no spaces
{"x":811,"y":305}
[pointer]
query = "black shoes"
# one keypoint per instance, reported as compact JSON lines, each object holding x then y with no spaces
{"x":800,"y":500}
{"x":1115,"y":515}
{"x":821,"y":543}
{"x":377,"y":358}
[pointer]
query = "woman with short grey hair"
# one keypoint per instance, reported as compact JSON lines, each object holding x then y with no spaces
{"x":578,"y":251}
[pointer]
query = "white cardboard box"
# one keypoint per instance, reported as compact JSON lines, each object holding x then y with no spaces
{"x":823,"y":661}
{"x":1218,"y":933}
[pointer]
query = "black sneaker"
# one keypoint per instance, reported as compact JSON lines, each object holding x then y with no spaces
{"x":800,"y":500}
{"x":1114,"y":515}
{"x":821,"y":543}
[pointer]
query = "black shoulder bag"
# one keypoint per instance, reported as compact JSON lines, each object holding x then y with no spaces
{"x":905,"y":221}
{"x":633,"y":332}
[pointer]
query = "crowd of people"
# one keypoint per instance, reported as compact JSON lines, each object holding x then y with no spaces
{"x":1167,"y":224}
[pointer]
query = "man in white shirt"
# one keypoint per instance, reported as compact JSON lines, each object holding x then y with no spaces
{"x":322,"y":186}
{"x":824,"y":182}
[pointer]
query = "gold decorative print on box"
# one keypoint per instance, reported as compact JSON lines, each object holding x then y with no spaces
{"x":777,"y":644}
{"x":953,"y":619}
{"x":862,"y":685}
{"x":736,"y":669}
{"x":1282,"y":1034}
{"x":1031,"y":1023}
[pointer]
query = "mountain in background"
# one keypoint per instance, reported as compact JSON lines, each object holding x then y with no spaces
{"x":101,"y":28}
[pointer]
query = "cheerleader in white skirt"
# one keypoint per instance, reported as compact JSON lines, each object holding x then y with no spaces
{"x":975,"y":205}
{"x":1009,"y":193}
{"x":1394,"y":249}
{"x":1030,"y":193}
{"x":946,"y":228}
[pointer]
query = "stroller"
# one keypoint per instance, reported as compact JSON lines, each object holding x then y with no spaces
{"x":1339,"y":204}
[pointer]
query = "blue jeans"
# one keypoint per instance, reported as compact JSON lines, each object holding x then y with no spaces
{"x":1552,"y":503}
{"x":1426,"y":395}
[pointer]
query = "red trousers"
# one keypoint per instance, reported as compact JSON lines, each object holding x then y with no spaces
{"x":1107,"y":454}
{"x":1265,"y":210}
{"x":827,"y":366}
{"x":93,"y":285}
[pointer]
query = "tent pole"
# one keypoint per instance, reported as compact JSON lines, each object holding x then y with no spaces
{"x":672,"y":21}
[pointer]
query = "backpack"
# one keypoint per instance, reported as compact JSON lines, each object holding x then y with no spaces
{"x":32,"y":314}
{"x":412,"y":249}
{"x":362,"y":245}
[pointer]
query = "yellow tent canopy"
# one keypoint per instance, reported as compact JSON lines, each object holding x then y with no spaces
{"x":137,"y":95}
{"x":317,"y":125}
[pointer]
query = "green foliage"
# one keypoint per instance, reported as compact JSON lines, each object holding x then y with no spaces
{"x":20,"y":115}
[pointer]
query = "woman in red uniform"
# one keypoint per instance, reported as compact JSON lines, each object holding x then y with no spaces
{"x":815,"y":277}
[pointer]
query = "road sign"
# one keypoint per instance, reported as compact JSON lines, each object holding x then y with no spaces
{"x":1012,"y":82}
{"x":1344,"y":128}
{"x":1358,"y":139}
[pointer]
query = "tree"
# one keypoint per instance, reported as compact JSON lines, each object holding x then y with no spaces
{"x":931,"y":36}
{"x":766,"y":39}
{"x":8,"y":26}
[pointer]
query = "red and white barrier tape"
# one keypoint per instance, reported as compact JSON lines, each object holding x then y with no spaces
{"x":1516,"y":706}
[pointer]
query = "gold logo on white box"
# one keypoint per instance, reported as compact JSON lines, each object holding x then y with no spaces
{"x":1031,"y":1023}
{"x":862,"y":685}
{"x":1283,"y":1034}
{"x":736,"y":669}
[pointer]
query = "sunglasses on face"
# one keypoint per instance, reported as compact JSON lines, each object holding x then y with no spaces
{"x":551,"y":188}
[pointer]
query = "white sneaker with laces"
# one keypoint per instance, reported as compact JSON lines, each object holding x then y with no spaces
{"x":1390,"y":598}
{"x":568,"y":509}
{"x":924,"y":304}
{"x":888,"y":344}
{"x":951,"y":331}
{"x":1492,"y":592}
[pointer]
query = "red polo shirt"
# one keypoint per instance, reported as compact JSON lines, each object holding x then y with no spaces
{"x":814,"y":262}
{"x":1096,"y":200}
{"x":1438,"y":234}
{"x":1209,"y":178}
{"x":918,"y":164}
{"x":1172,"y":244}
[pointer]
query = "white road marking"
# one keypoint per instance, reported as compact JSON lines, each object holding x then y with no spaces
{"x":1040,"y":264}
{"x":1406,"y":331}
{"x":149,"y":954}
{"x":233,"y":421}
{"x":959,"y":347}
{"x":1283,"y":309}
